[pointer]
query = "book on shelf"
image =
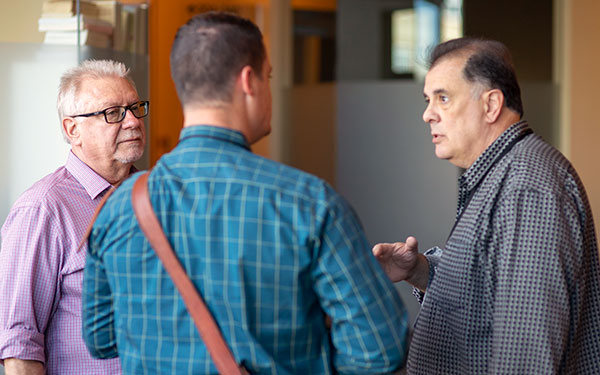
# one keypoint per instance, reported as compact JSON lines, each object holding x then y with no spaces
{"x":68,"y":8}
{"x":133,"y":29}
{"x":108,"y":10}
{"x":141,"y":39}
{"x":87,"y":37}
{"x":126,"y":22}
{"x":70,"y":24}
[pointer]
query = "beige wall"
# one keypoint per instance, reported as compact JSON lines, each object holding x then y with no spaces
{"x":582,"y":46}
{"x":313,"y":131}
{"x":19,"y":21}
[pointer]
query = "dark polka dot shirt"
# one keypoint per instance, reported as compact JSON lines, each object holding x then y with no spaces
{"x":516,"y":288}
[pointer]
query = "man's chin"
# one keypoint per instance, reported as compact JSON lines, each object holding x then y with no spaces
{"x":130,"y":157}
{"x":439,"y":155}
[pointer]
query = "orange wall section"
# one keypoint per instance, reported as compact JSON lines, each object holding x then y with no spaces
{"x":166,"y":121}
{"x":584,"y":77}
{"x":165,"y":17}
{"x":315,"y":5}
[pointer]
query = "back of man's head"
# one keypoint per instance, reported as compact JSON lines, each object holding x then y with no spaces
{"x":488,"y":62}
{"x":209,"y":52}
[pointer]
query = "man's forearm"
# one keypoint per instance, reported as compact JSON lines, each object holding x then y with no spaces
{"x":14,"y":366}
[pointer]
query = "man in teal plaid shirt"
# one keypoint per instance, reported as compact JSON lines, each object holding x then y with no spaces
{"x":271,"y":249}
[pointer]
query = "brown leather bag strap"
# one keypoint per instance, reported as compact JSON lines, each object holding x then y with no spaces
{"x":206,"y":325}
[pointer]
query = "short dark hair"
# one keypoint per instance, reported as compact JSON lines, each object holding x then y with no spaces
{"x":489,"y":62}
{"x":208,"y":53}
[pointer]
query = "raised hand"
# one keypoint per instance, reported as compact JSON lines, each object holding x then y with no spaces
{"x":398,"y":259}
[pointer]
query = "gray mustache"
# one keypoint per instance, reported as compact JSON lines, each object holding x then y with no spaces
{"x":130,"y":134}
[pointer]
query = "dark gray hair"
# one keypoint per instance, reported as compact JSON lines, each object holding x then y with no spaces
{"x":488,"y":62}
{"x":208,"y":53}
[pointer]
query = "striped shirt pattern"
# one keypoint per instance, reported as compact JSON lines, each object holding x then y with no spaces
{"x":516,"y":289}
{"x":271,"y":249}
{"x":41,"y":272}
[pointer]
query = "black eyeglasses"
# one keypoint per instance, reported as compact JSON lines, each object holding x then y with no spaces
{"x":116,"y":114}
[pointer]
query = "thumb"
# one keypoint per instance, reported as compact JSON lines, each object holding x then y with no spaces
{"x":412,"y":243}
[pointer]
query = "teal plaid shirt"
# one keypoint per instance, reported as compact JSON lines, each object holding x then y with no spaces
{"x":271,"y":249}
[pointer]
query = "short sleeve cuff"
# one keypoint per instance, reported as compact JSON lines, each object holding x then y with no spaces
{"x":22,"y":344}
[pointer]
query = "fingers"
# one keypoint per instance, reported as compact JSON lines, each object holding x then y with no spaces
{"x":380,"y":249}
{"x":387,"y":249}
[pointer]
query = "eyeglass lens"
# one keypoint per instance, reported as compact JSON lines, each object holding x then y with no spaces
{"x":117,"y":114}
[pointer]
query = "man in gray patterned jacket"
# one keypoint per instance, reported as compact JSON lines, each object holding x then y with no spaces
{"x":516,"y":288}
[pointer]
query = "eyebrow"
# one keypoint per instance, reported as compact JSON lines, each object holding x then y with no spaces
{"x":109,"y":104}
{"x":436,"y":92}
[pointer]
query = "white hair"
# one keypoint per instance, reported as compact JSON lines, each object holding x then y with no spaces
{"x":70,"y":83}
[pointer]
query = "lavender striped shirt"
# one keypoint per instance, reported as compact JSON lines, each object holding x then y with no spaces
{"x":41,"y":272}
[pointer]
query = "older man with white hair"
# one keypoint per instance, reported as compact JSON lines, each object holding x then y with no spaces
{"x":41,"y":269}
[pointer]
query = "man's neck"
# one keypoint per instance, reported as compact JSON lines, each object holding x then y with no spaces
{"x":114,"y":172}
{"x":117,"y":173}
{"x":506,"y":120}
{"x":494,"y":130}
{"x":224,"y":116}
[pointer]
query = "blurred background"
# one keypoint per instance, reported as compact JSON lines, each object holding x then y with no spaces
{"x":347,"y":90}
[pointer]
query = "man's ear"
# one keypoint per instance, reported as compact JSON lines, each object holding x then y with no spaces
{"x":247,"y":78}
{"x":71,"y":129}
{"x":493,"y":101}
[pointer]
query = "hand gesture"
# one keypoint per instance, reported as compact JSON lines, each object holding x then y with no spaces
{"x":399,"y":260}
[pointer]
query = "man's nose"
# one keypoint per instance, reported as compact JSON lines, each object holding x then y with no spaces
{"x":429,"y":114}
{"x":130,"y":121}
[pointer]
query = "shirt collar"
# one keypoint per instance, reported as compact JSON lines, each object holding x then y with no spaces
{"x":214,"y":132}
{"x":475,"y":173}
{"x":91,"y":181}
